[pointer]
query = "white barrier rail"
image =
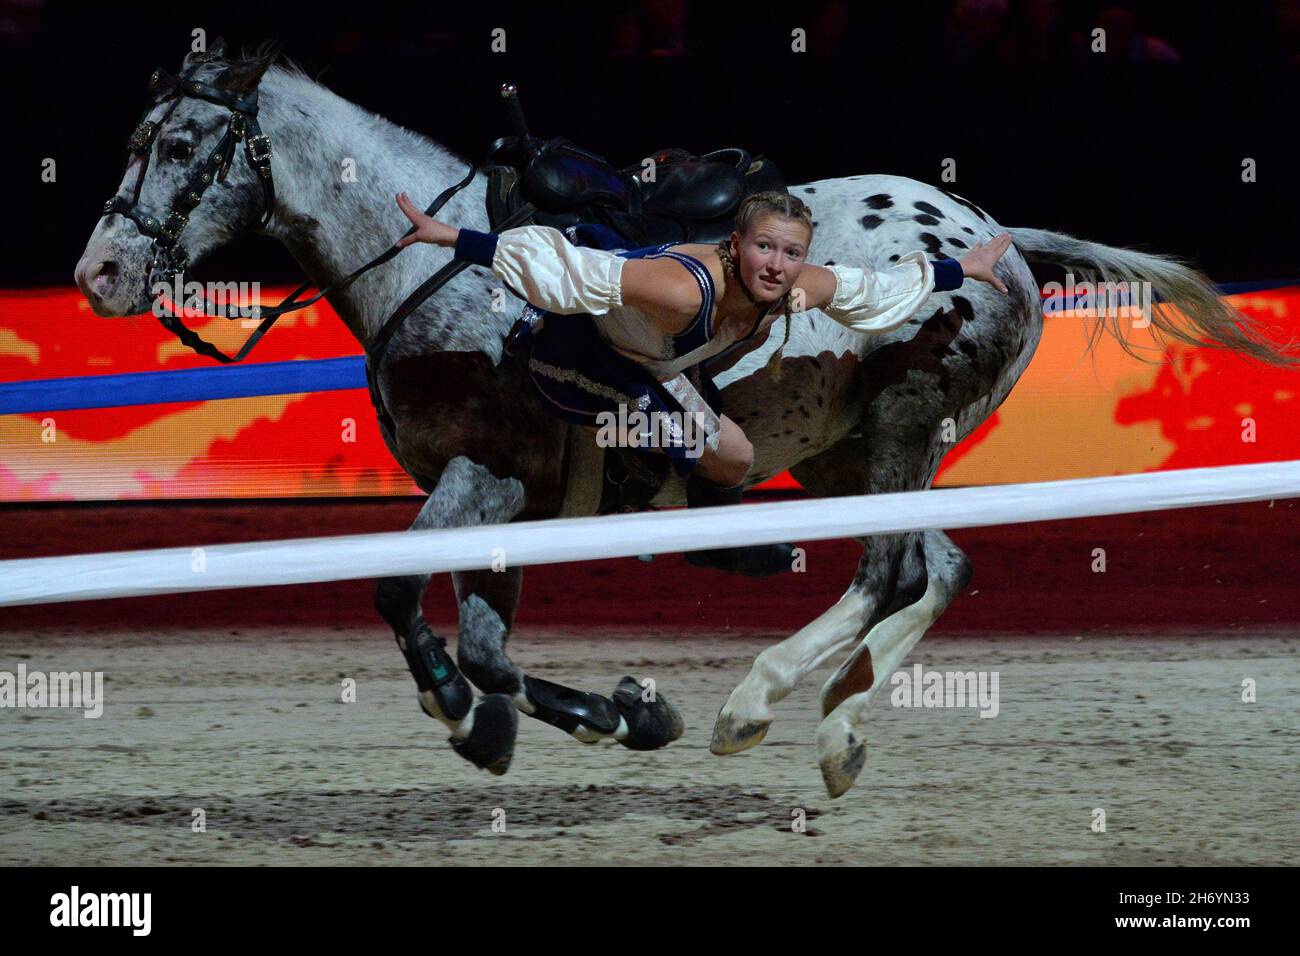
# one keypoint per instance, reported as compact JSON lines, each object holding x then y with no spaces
{"x":88,"y":577}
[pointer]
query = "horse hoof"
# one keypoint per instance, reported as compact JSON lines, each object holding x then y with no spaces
{"x":842,"y":754}
{"x":651,"y":724}
{"x":731,"y":736}
{"x":491,"y":740}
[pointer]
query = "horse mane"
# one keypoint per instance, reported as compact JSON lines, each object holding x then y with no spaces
{"x":267,"y":51}
{"x":283,"y":63}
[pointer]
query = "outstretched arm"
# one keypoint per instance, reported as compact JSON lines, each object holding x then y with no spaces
{"x":541,"y":266}
{"x":875,"y":301}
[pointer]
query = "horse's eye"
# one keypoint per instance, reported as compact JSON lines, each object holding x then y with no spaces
{"x":179,"y":152}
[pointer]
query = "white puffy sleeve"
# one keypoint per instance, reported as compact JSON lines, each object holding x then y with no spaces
{"x":875,"y":301}
{"x":551,"y":273}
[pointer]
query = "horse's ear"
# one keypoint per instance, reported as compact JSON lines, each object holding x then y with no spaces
{"x":242,"y":76}
{"x":215,"y":51}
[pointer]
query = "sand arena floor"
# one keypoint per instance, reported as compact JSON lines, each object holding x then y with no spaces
{"x":1119,"y":690}
{"x":248,"y":726}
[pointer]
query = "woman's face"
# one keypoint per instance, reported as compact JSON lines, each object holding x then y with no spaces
{"x":771,"y":256}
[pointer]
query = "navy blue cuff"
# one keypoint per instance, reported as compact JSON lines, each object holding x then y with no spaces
{"x":476,"y":247}
{"x":947,"y":275}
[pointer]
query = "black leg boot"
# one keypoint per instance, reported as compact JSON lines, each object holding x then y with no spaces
{"x":758,"y":561}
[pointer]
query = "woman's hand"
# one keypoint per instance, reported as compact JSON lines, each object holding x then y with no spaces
{"x":979,"y":262}
{"x":427,"y":229}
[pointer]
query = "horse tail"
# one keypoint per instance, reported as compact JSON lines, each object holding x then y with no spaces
{"x":1200,"y":316}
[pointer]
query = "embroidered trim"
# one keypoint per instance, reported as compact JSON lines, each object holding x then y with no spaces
{"x":687,"y":389}
{"x":573,"y":377}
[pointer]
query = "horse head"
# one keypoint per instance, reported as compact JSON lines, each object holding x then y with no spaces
{"x":184,"y":192}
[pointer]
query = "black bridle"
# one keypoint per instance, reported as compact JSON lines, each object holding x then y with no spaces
{"x":168,"y":257}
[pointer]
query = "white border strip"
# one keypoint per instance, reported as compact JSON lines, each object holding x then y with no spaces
{"x":305,"y":560}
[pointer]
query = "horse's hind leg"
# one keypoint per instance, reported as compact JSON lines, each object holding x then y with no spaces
{"x":841,"y":743}
{"x":635,"y":718}
{"x":482,"y":731}
{"x":892,"y":587}
{"x":875,"y":594}
{"x":882,"y":588}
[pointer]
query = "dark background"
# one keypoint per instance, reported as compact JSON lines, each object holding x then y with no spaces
{"x":1141,"y":146}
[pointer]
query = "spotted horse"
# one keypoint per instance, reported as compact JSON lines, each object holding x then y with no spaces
{"x":850,"y":414}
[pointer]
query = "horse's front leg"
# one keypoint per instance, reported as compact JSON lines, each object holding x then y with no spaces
{"x":633,"y":715}
{"x":482,"y":731}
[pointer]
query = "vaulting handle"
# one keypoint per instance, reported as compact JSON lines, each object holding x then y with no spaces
{"x":510,"y":93}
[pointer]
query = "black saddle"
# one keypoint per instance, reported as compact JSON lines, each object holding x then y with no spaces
{"x":671,"y":196}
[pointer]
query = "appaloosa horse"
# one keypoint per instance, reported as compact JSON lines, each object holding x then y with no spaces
{"x":849,"y":415}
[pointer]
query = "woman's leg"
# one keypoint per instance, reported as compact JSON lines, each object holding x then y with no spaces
{"x":718,"y":479}
{"x":730,"y":464}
